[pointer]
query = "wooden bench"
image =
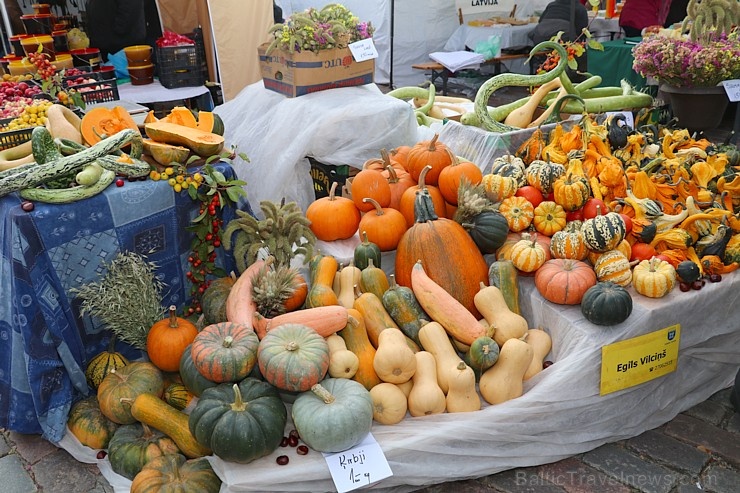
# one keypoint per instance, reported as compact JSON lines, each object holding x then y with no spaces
{"x":438,"y":70}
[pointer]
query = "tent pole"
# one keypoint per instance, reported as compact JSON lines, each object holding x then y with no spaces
{"x":390,"y":75}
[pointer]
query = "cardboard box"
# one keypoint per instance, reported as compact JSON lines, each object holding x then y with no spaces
{"x":296,"y":74}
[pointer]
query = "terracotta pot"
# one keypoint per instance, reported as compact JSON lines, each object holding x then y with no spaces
{"x":697,"y":108}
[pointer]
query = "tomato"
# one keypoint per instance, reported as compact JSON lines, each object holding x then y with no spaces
{"x":642,"y":251}
{"x":576,"y":215}
{"x":590,"y":207}
{"x":530,"y":193}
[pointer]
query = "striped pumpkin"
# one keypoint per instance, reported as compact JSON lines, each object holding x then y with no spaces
{"x":654,"y":278}
{"x":549,"y":218}
{"x":511,"y":166}
{"x":293,"y":357}
{"x":177,"y":396}
{"x":103,"y":363}
{"x":527,"y":254}
{"x":518,"y":212}
{"x":569,"y":244}
{"x":624,"y":246}
{"x":543,"y":174}
{"x":499,"y":187}
{"x":89,"y":425}
{"x":604,"y":232}
{"x":613,"y":266}
{"x":225,"y":352}
{"x":571,"y":191}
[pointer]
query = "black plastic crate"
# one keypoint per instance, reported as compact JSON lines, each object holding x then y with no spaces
{"x":92,"y":96}
{"x":88,"y":74}
{"x":182,"y":66}
{"x":13,"y":138}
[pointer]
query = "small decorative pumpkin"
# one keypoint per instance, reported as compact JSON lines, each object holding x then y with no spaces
{"x":528,"y":255}
{"x":518,"y":211}
{"x":511,"y":166}
{"x":136,"y":378}
{"x":333,"y":218}
{"x":173,"y":473}
{"x":451,"y":176}
{"x":134,"y":445}
{"x":571,"y":191}
{"x":606,"y":303}
{"x":239,"y":422}
{"x":89,"y":425}
{"x":102,"y":363}
{"x":190,"y":376}
{"x":604,"y":231}
{"x":293,"y":357}
{"x":543,"y":174}
{"x":167,"y":340}
{"x":370,"y":183}
{"x":177,"y":396}
{"x":653,"y":278}
{"x":564,"y":281}
{"x":428,"y":153}
{"x":488,"y":230}
{"x":225,"y":352}
{"x":499,"y":187}
{"x":569,"y":244}
{"x":613,"y":266}
{"x":213,"y":301}
{"x":365,"y":251}
{"x":383,"y":226}
{"x":334,"y":416}
{"x":549,"y":218}
{"x":483,"y":354}
{"x":688,"y":271}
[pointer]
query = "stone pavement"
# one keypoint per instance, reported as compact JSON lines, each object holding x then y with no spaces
{"x":699,"y":450}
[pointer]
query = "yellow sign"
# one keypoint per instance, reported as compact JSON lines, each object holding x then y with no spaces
{"x":628,"y":363}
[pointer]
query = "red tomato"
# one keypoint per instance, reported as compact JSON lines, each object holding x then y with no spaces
{"x":576,"y":215}
{"x":589,"y":208}
{"x":530,"y":193}
{"x":642,"y":251}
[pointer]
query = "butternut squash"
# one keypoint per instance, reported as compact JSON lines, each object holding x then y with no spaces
{"x":349,"y":277}
{"x":462,"y":396}
{"x":443,"y":308}
{"x":389,"y":403}
{"x":523,"y":116}
{"x":505,"y":323}
{"x":406,"y":387}
{"x":394,"y":360}
{"x":240,"y":305}
{"x":355,"y":337}
{"x":541,"y":343}
{"x":322,"y":286}
{"x":504,"y":380}
{"x":435,"y":341}
{"x":153,"y":411}
{"x":63,"y":123}
{"x":325,"y":320}
{"x":426,"y":397}
{"x":15,"y":156}
{"x":343,"y":363}
{"x":545,"y":114}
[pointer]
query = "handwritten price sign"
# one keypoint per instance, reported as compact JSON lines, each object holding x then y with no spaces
{"x":363,"y":50}
{"x":732,"y":88}
{"x":359,"y":466}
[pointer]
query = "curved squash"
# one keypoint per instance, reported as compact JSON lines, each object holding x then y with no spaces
{"x":102,"y":122}
{"x":200,"y":142}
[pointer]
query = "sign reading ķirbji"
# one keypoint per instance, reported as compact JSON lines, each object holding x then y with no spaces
{"x":628,"y":363}
{"x":360,"y":466}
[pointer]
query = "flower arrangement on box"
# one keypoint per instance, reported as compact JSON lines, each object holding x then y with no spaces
{"x":333,"y":26}
{"x":703,"y":53}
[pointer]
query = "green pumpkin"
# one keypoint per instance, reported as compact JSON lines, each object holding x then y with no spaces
{"x":366,"y":251}
{"x":239,"y":422}
{"x":604,"y":232}
{"x":191,"y":377}
{"x":132,"y":446}
{"x":488,"y":230}
{"x":174,"y":474}
{"x":483,"y":354}
{"x":213,"y":301}
{"x":334,"y":415}
{"x":89,"y":424}
{"x":687,"y":271}
{"x":606,"y":303}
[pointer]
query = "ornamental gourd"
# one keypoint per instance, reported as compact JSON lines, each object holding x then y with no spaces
{"x":653,"y":278}
{"x":571,"y":191}
{"x":448,"y":253}
{"x":549,"y":218}
{"x":102,"y":363}
{"x":569,"y":244}
{"x":511,"y":166}
{"x":293,"y":357}
{"x":613,"y":266}
{"x":518,"y":211}
{"x":239,"y":422}
{"x":334,"y":416}
{"x":499,"y":187}
{"x":225,"y":352}
{"x":167,"y":340}
{"x":133,"y":379}
{"x":606,"y":303}
{"x":543,"y":174}
{"x":171,"y":473}
{"x":604,"y":231}
{"x":564,"y":281}
{"x":365,"y":251}
{"x":528,"y":255}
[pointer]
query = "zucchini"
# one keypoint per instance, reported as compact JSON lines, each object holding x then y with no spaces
{"x":90,"y":174}
{"x":67,"y":195}
{"x":32,"y":176}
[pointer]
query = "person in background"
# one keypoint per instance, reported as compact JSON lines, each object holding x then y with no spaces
{"x":112,"y":25}
{"x":556,"y":18}
{"x":676,"y":12}
{"x":637,"y":15}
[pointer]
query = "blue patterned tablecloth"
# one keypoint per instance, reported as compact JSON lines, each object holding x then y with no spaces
{"x":44,"y":343}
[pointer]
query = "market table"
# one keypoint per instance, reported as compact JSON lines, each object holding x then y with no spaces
{"x":44,"y":343}
{"x":467,"y":37}
{"x":615,"y":63}
{"x":154,"y":93}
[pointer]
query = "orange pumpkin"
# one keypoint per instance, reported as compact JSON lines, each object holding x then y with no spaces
{"x":400,"y":155}
{"x":167,"y":340}
{"x":564,"y":281}
{"x":100,"y":122}
{"x":408,"y":199}
{"x":451,"y":176}
{"x":448,"y":253}
{"x":370,"y":183}
{"x":518,"y":212}
{"x":383,"y":226}
{"x":399,"y":183}
{"x":333,"y":218}
{"x":428,"y":153}
{"x":528,"y":255}
{"x":549,"y":218}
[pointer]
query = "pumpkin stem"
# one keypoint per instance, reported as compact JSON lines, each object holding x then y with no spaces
{"x":365,"y":241}
{"x":461,"y":366}
{"x":175,"y":470}
{"x":291,"y":346}
{"x":238,"y":404}
{"x":392,"y":281}
{"x":423,"y":175}
{"x":433,"y":143}
{"x":112,"y":343}
{"x":173,"y":317}
{"x":333,"y":190}
{"x":378,"y":208}
{"x":148,"y":433}
{"x":322,"y":393}
{"x":228,"y":341}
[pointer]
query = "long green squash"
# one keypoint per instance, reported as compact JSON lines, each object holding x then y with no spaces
{"x":403,"y":307}
{"x":504,"y":276}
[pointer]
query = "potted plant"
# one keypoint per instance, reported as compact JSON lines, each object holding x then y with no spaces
{"x":690,"y":63}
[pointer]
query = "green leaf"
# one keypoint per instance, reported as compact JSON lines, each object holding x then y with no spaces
{"x":234,"y":193}
{"x":220,"y":178}
{"x":243,"y":156}
{"x":595,"y":45}
{"x":201,"y":216}
{"x":193,"y":192}
{"x":572,"y":64}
